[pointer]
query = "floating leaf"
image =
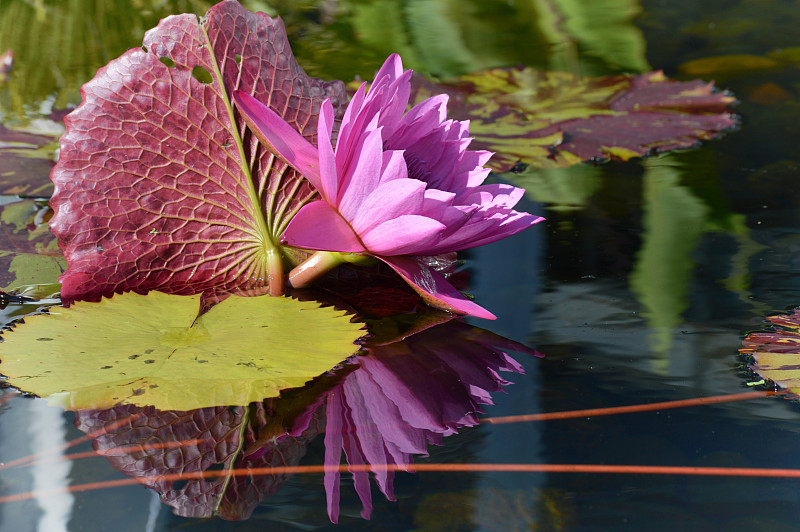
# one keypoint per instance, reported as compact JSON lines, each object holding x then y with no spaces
{"x":155,"y":350}
{"x":776,"y":354}
{"x":556,"y":119}
{"x":159,"y":186}
{"x":28,"y":251}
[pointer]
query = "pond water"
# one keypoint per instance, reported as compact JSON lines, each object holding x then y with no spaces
{"x":639,"y":288}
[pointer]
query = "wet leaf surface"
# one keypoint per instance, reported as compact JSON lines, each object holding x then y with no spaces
{"x":155,"y":350}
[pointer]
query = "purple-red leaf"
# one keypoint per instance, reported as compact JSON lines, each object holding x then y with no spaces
{"x":556,"y":119}
{"x":159,"y":185}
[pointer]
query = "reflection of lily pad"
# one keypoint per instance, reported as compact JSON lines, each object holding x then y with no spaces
{"x":153,"y":350}
{"x":776,"y":354}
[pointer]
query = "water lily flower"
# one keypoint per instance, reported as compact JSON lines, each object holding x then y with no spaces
{"x":398,"y":185}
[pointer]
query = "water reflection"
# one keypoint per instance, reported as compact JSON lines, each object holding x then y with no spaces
{"x":383,"y":408}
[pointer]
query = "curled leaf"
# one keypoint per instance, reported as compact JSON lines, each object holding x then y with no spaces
{"x":159,"y":186}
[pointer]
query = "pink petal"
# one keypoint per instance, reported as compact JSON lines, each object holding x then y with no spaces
{"x":398,"y":93}
{"x":403,"y":235}
{"x":484,"y":230}
{"x":390,"y":200}
{"x":327,"y":160}
{"x":394,"y":166}
{"x":420,"y":121}
{"x":363,"y":176}
{"x":434,"y":289}
{"x":318,"y":226}
{"x":344,"y":152}
{"x":276,"y":133}
{"x":392,"y":69}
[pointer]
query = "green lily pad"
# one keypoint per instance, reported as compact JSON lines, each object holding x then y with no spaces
{"x":155,"y":350}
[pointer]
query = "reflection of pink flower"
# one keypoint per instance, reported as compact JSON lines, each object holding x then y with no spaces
{"x":398,"y":184}
{"x":407,"y":395}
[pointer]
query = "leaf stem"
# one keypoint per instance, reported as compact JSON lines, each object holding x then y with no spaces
{"x":275,"y":272}
{"x":314,"y":267}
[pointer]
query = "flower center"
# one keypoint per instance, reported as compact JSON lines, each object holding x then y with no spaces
{"x":417,"y":168}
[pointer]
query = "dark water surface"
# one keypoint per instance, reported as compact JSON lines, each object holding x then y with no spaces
{"x":638,"y":288}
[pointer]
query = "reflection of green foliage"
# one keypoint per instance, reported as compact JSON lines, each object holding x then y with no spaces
{"x":677,"y":213}
{"x":600,"y":32}
{"x":59,"y":44}
{"x":561,"y":188}
{"x":452,"y":37}
{"x":155,"y":350}
{"x":509,"y":510}
{"x":674,"y":221}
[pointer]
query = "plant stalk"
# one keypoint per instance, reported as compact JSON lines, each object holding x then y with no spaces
{"x":314,"y":267}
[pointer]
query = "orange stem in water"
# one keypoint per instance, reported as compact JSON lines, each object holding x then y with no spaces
{"x":27,"y":460}
{"x":517,"y":468}
{"x":595,"y":412}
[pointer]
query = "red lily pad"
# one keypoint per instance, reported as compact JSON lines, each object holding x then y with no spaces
{"x":556,"y":119}
{"x":159,"y":185}
{"x":776,"y":353}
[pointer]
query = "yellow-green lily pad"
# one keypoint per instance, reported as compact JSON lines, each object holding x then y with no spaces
{"x":154,"y":350}
{"x":776,"y":353}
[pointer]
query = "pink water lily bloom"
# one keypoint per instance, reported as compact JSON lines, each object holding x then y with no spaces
{"x":398,"y":184}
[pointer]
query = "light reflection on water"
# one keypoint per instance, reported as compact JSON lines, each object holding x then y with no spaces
{"x":47,"y":436}
{"x":29,"y":427}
